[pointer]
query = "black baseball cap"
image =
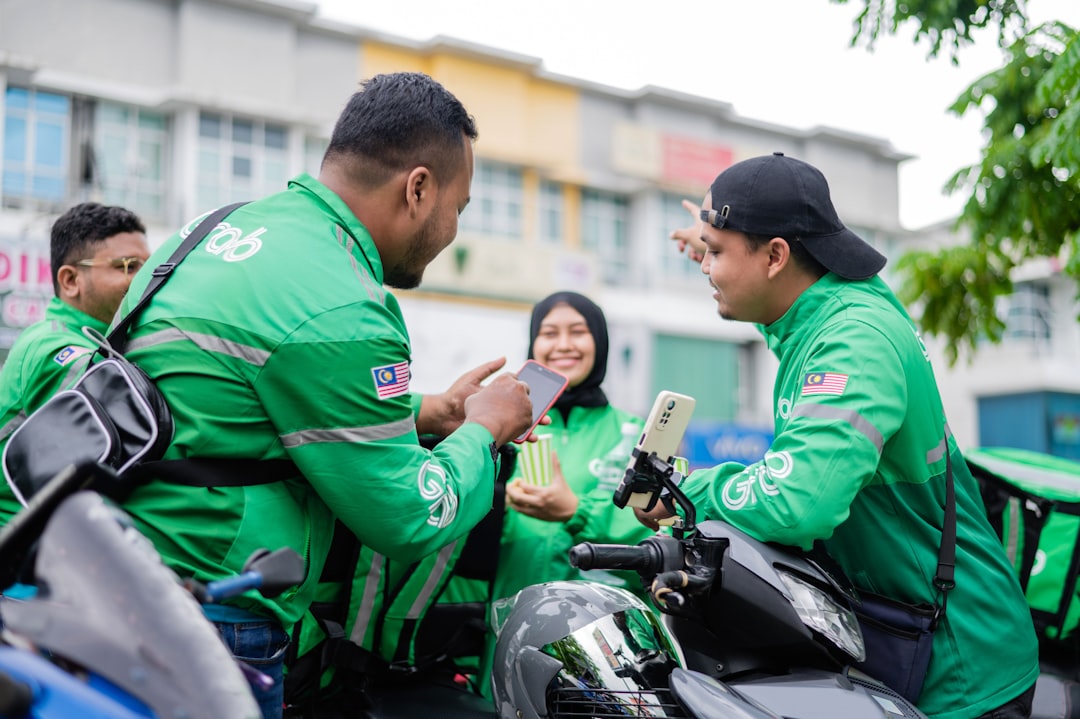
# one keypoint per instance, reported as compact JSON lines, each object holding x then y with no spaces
{"x":780,"y":196}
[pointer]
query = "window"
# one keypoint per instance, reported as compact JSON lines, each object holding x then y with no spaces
{"x":130,"y":153}
{"x":314,"y":149}
{"x":673,"y":215}
{"x":496,"y":207}
{"x":1027,"y":313}
{"x":239,"y":159}
{"x":551,"y":211}
{"x":37,"y":135}
{"x":604,"y":231}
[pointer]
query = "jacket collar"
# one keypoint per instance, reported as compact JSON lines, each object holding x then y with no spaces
{"x":343,"y":217}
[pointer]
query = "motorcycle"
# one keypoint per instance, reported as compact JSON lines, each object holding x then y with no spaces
{"x":749,"y":630}
{"x":102,"y":628}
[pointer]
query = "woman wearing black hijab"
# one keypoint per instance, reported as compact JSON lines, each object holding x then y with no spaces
{"x":591,"y":445}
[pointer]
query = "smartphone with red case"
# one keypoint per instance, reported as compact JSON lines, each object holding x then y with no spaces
{"x":545,"y":386}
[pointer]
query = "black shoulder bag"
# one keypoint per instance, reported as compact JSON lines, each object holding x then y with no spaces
{"x":898,"y":636}
{"x":115,"y":416}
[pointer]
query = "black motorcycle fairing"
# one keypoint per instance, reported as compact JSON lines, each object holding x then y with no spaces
{"x":749,"y":614}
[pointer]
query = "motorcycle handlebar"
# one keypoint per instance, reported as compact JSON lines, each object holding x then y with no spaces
{"x":641,"y":557}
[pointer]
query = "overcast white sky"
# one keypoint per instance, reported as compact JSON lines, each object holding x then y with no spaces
{"x":782,"y":61}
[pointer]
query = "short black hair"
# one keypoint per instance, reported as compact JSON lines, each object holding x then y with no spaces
{"x":400,"y":120}
{"x":76,"y":232}
{"x":799,"y":253}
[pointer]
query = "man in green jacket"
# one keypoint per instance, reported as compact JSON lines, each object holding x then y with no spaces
{"x":859,"y":455}
{"x":276,"y":340}
{"x":94,"y":252}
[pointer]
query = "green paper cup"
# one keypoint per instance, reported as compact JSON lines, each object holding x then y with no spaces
{"x":535,"y":459}
{"x":681,"y":465}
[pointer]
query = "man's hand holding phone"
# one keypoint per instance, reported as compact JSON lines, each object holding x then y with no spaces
{"x":511,"y":406}
{"x":502,"y":406}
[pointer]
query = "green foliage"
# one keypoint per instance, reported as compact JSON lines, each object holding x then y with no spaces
{"x":934,"y":277}
{"x":939,"y":22}
{"x":1023,"y":194}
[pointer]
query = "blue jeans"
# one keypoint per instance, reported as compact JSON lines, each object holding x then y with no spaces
{"x":261,"y":645}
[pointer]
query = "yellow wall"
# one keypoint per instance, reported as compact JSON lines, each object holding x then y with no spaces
{"x":522,"y":120}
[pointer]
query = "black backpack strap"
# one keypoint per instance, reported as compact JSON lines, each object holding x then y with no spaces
{"x":216,"y":471}
{"x":161,"y":273}
{"x":945,"y":577}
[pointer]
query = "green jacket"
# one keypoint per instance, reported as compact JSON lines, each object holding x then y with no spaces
{"x":48,"y":356}
{"x":593,"y":447}
{"x":858,"y":460}
{"x":276,"y":340}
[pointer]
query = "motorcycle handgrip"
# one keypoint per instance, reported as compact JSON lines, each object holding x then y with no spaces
{"x":640,"y":557}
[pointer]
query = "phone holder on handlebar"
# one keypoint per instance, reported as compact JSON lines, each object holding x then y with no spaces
{"x":649,"y":480}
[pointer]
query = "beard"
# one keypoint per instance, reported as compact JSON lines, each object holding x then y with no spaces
{"x":425,"y":247}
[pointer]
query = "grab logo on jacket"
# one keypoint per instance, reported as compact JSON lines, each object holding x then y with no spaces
{"x":231,"y":244}
{"x":740,"y":489}
{"x":226,"y":241}
{"x":432,"y":484}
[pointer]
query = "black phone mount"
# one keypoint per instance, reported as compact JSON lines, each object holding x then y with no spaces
{"x":648,"y":474}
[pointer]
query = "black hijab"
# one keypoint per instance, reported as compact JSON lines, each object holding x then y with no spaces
{"x":588,"y":393}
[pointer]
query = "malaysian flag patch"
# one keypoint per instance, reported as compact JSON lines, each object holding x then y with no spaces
{"x":824,"y":383}
{"x":70,"y":354}
{"x":391,"y":380}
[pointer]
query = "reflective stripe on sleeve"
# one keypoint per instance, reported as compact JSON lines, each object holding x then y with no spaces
{"x":349,"y":434}
{"x":13,"y":424}
{"x":210,"y":343}
{"x":856,"y":420}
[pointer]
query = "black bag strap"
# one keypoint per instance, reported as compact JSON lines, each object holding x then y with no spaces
{"x":161,"y":273}
{"x":216,"y":471}
{"x":945,"y":578}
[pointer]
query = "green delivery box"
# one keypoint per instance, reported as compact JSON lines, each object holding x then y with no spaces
{"x":1033,"y":502}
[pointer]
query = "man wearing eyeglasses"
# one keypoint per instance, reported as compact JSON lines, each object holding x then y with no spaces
{"x":94,"y":250}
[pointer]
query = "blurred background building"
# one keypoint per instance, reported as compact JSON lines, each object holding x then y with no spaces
{"x":171,"y":107}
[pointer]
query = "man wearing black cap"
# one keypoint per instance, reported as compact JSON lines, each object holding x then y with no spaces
{"x":859,"y":460}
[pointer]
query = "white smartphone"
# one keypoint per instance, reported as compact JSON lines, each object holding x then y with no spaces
{"x":664,"y":430}
{"x":545,"y":386}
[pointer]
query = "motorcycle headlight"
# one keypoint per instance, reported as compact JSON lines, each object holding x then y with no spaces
{"x":822,"y":613}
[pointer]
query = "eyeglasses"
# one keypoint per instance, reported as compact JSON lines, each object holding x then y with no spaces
{"x":130,"y":265}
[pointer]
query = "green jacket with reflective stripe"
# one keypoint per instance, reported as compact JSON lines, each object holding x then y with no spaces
{"x":274,"y":339}
{"x":858,"y":461}
{"x":48,"y":356}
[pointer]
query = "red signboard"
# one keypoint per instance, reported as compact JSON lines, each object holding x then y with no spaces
{"x":693,"y":161}
{"x":25,"y":287}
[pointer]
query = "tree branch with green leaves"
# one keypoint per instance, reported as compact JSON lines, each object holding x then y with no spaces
{"x":1023,"y":193}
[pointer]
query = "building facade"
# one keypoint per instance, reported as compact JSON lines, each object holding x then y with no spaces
{"x":171,"y":107}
